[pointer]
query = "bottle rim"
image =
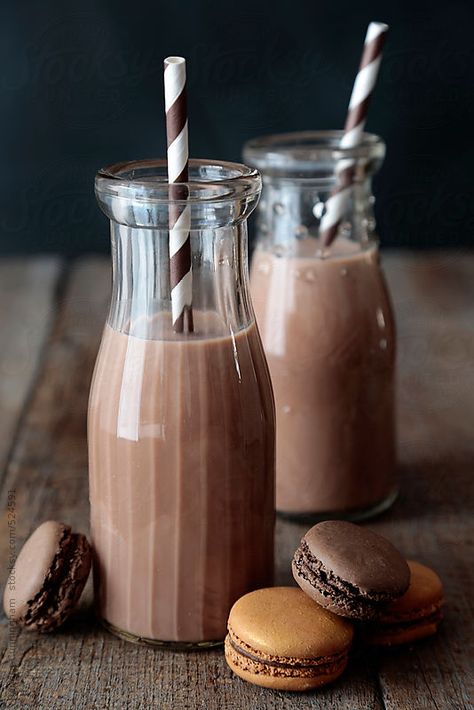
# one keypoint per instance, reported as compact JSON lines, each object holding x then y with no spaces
{"x":210,"y":181}
{"x":309,"y":153}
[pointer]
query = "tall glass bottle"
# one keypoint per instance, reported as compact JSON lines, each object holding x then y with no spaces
{"x":327,"y":327}
{"x":181,"y":425}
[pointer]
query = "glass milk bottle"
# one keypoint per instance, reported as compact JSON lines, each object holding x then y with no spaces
{"x":327,"y":326}
{"x":181,"y":426}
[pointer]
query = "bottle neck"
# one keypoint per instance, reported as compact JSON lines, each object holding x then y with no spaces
{"x":210,"y":275}
{"x":291,"y":210}
{"x":141,"y":293}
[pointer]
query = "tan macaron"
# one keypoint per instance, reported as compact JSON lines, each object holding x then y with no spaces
{"x":279,"y":638}
{"x":416,"y":615}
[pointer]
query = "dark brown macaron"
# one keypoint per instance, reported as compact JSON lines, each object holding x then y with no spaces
{"x":47,"y":580}
{"x":349,"y":569}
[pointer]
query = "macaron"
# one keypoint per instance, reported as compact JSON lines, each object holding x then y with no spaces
{"x":279,"y":638}
{"x":415,"y":615}
{"x":48,"y":577}
{"x":349,"y":569}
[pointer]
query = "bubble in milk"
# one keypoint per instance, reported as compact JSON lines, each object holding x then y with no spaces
{"x":278,"y":208}
{"x":383,"y":344}
{"x":296,"y":273}
{"x":309,"y":276}
{"x":343,"y":272}
{"x":286,"y":409}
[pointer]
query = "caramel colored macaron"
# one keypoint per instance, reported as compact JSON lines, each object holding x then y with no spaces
{"x":415,"y":615}
{"x":279,"y":638}
{"x":349,"y":569}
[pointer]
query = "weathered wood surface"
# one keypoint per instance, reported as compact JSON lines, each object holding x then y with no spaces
{"x":83,"y":667}
{"x":27,"y":292}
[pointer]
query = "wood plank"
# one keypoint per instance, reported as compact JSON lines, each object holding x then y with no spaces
{"x":27,"y":290}
{"x":83,"y":667}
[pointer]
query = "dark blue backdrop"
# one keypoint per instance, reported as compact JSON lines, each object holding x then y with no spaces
{"x":81,"y":87}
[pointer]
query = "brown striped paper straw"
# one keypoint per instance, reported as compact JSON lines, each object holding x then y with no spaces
{"x":337,"y":203}
{"x":180,"y":215}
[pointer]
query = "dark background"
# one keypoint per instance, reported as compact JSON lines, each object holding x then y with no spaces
{"x":81,"y":87}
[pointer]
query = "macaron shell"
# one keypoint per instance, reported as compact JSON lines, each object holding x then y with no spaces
{"x":284,"y":621}
{"x":359,"y":556}
{"x":294,"y":684}
{"x":31,"y":568}
{"x":424,"y":592}
{"x":415,"y":615}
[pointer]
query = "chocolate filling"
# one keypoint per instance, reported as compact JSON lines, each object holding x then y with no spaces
{"x":319,"y":664}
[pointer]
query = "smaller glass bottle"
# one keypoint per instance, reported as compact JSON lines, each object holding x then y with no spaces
{"x":327,"y":326}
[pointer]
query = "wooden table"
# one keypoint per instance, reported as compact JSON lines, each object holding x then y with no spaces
{"x":51,"y":316}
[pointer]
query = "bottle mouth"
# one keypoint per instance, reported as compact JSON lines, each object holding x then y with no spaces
{"x":210,"y":181}
{"x":311,"y":154}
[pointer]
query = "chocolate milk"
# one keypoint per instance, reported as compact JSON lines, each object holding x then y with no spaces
{"x":181,"y":450}
{"x":328,"y":334}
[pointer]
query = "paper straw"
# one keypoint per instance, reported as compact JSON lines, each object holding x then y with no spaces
{"x":337,"y":203}
{"x":180,"y":216}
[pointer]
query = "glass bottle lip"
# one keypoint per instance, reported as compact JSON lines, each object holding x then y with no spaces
{"x":310,"y":154}
{"x":210,"y":181}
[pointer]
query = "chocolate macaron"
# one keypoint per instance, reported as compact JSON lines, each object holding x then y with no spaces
{"x":415,"y":615}
{"x":279,"y":638}
{"x":349,"y":569}
{"x":48,"y":577}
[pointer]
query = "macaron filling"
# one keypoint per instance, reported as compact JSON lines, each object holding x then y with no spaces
{"x":258,"y":662}
{"x":346,"y":596}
